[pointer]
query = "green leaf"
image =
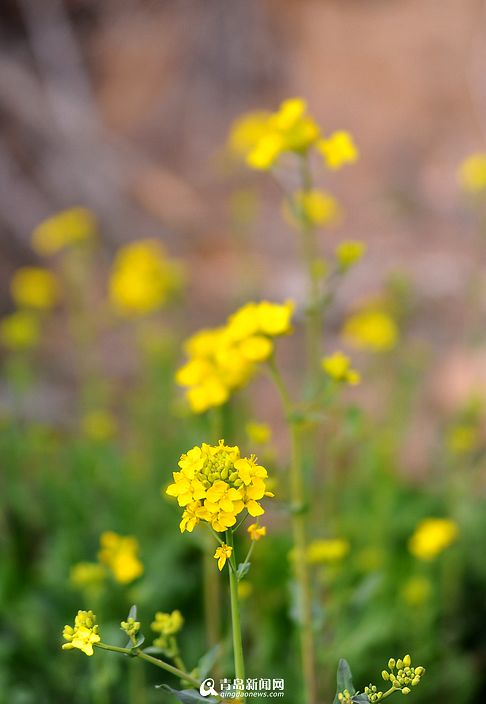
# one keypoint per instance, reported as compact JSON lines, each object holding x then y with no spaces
{"x":243,"y":569}
{"x":132,"y":613}
{"x":207,"y":661}
{"x":187,"y":696}
{"x":344,"y":679}
{"x":361,"y":698}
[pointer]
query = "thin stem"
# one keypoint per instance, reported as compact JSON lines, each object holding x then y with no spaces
{"x":389,"y":691}
{"x":235,"y":614}
{"x":180,"y":674}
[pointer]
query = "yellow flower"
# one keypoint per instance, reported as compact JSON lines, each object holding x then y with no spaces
{"x":472,"y":173}
{"x":327,"y":551}
{"x":256,"y":532}
{"x":246,"y":131}
{"x":223,"y":553}
{"x":371,"y":329}
{"x":34,"y":287}
{"x":338,"y":149}
{"x":99,"y":425}
{"x":223,"y":359}
{"x":167,"y":624}
{"x":20,"y":330}
{"x":215,"y":484}
{"x":314,"y":208}
{"x":462,"y":439}
{"x":431,"y":537}
{"x":84,"y":634}
{"x":63,"y":230}
{"x":338,"y":367}
{"x":120,"y":555}
{"x":348,"y":253}
{"x":142,"y":278}
{"x":87,"y":574}
{"x":416,"y":590}
{"x":258,"y":433}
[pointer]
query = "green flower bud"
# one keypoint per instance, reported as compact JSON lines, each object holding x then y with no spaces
{"x":386,"y":675}
{"x":406,"y":690}
{"x":391,"y":663}
{"x":399,"y":664}
{"x":419,"y":671}
{"x":407,"y":660}
{"x":415,"y":681}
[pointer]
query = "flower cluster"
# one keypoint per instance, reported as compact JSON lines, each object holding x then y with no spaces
{"x":338,"y":367}
{"x":142,"y":278}
{"x":262,"y":137}
{"x":312,"y":207}
{"x":431,"y":537}
{"x":84,"y":634}
{"x":405,"y":677}
{"x":327,"y":551}
{"x":120,"y":554}
{"x":215,"y":484}
{"x":131,"y":628}
{"x":62,"y":230}
{"x":223,"y":359}
{"x":167,"y":625}
{"x":348,"y":253}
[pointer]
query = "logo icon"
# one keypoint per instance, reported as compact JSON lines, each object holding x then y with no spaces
{"x":207,"y":688}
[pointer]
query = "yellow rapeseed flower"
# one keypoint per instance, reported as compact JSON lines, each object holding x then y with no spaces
{"x":34,"y":287}
{"x":432,"y":536}
{"x":258,"y":433}
{"x":416,"y":590}
{"x":313,"y":207}
{"x":120,"y":554}
{"x":472,"y":173}
{"x":63,"y":230}
{"x":99,"y":425}
{"x":338,"y":149}
{"x":348,"y":253}
{"x":246,"y":131}
{"x":142,"y":278}
{"x":223,"y":553}
{"x":327,"y":550}
{"x":371,"y":329}
{"x":223,"y":359}
{"x":338,"y":367}
{"x":167,"y":624}
{"x":256,"y":532}
{"x":84,"y":634}
{"x":215,"y":484}
{"x":87,"y":574}
{"x":20,"y":330}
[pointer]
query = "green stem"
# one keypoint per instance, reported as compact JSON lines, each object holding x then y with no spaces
{"x":235,"y":614}
{"x":389,"y":691}
{"x":180,"y":674}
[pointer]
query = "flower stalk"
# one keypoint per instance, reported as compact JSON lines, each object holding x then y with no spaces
{"x":235,"y":613}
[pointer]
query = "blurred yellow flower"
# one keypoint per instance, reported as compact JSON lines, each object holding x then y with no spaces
{"x":416,"y":590}
{"x":256,"y":532}
{"x":167,"y":624}
{"x":462,"y":439}
{"x":258,"y":433}
{"x":245,"y":589}
{"x":431,"y":537}
{"x":34,"y":287}
{"x":142,"y":278}
{"x":223,"y":359}
{"x":20,"y":330}
{"x":84,"y":634}
{"x":99,"y":425}
{"x":120,"y":554}
{"x":472,"y":173}
{"x":348,"y":253}
{"x":338,"y":367}
{"x":215,"y":484}
{"x":338,"y":149}
{"x":223,"y":553}
{"x":64,"y":229}
{"x":87,"y":574}
{"x":246,"y":132}
{"x":371,"y":329}
{"x":327,"y":551}
{"x":313,"y":208}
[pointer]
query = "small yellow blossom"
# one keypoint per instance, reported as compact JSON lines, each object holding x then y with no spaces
{"x":314,"y":208}
{"x":338,"y":367}
{"x":215,"y":484}
{"x":246,"y":131}
{"x":258,"y":433}
{"x":142,"y":278}
{"x":327,"y":551}
{"x":371,"y":329}
{"x":416,"y":590}
{"x":472,"y":173}
{"x":84,"y":634}
{"x":63,"y":230}
{"x":167,"y":624}
{"x":120,"y":554}
{"x":87,"y":574}
{"x":462,"y":439}
{"x":348,"y":253}
{"x":20,"y":330}
{"x":99,"y":425}
{"x":338,"y":149}
{"x":432,"y":536}
{"x":256,"y":532}
{"x":405,"y":677}
{"x":34,"y":287}
{"x":223,"y":553}
{"x":131,"y":628}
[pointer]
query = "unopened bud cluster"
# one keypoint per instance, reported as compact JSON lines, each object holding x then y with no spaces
{"x":131,"y":628}
{"x":373,"y":694}
{"x":344,"y":697}
{"x":405,"y":676}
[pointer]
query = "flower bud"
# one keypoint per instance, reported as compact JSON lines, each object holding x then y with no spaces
{"x":407,"y":660}
{"x":400,"y":664}
{"x":406,"y":690}
{"x":386,"y":675}
{"x":419,"y":670}
{"x":391,"y":663}
{"x":415,"y":681}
